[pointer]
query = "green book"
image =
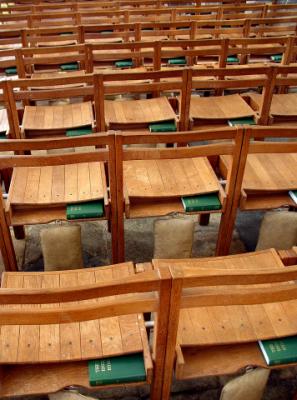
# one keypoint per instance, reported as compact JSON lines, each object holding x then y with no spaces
{"x":122,"y":369}
{"x":85,"y":130}
{"x":279,"y":351}
{"x":124,"y":63}
{"x":204,"y":202}
{"x":90,"y":209}
{"x":65,"y":33}
{"x":232,"y":59}
{"x":177,"y":61}
{"x":11,"y":71}
{"x":241,"y":121}
{"x":166,"y":126}
{"x":276,"y":58}
{"x":69,"y":66}
{"x":293,"y":195}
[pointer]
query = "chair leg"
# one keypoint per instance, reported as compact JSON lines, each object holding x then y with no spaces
{"x":226,"y":232}
{"x":204,"y":219}
{"x":19,"y":232}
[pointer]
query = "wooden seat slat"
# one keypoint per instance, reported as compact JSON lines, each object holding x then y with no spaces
{"x":169,"y":178}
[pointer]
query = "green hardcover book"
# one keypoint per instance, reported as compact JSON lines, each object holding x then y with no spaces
{"x":293,"y":195}
{"x":177,"y":61}
{"x":124,"y":63}
{"x":90,"y":209}
{"x":85,"y":130}
{"x":122,"y":369}
{"x":11,"y":71}
{"x":276,"y":58}
{"x":279,"y":351}
{"x":204,"y":202}
{"x":241,"y":121}
{"x":69,"y":67}
{"x":166,"y":126}
{"x":232,"y":59}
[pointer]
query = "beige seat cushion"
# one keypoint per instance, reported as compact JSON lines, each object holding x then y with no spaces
{"x":173,"y":237}
{"x":249,"y":386}
{"x":278,"y":230}
{"x":61,"y":247}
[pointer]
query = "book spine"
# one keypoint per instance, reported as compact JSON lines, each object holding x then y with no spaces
{"x":81,"y":216}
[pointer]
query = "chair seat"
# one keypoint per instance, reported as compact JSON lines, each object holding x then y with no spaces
{"x":57,"y":117}
{"x":169,"y":178}
{"x":138,"y":111}
{"x":219,"y":107}
{"x":73,"y":341}
{"x":57,"y":185}
{"x":218,"y":325}
{"x":282,"y":105}
{"x":267,"y":172}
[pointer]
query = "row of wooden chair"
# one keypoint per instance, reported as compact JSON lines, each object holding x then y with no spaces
{"x":111,"y":32}
{"x":144,"y":181}
{"x":262,"y":10}
{"x":209,"y":315}
{"x":167,"y":95}
{"x":154,"y":55}
{"x":19,"y":21}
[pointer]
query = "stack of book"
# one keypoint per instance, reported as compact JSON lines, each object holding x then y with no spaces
{"x":293,"y":195}
{"x":121,"y":369}
{"x":124,"y":63}
{"x":241,"y":121}
{"x":69,"y":67}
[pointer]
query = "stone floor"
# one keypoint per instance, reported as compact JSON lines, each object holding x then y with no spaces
{"x":139,"y":247}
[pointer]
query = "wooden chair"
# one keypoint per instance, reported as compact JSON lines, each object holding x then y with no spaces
{"x":42,"y":185}
{"x":52,"y":120}
{"x":221,"y":307}
{"x":50,"y":59}
{"x":108,"y":32}
{"x":53,"y":323}
{"x":267,"y":176}
{"x":14,"y":21}
{"x":106,"y":56}
{"x":138,"y":114}
{"x":53,"y":19}
{"x":206,"y":52}
{"x":8,"y":62}
{"x":205,"y":111}
{"x":242,"y":11}
{"x":45,"y":37}
{"x":10,"y":39}
{"x":259,"y":51}
{"x":220,"y":28}
{"x":151,"y":181}
{"x":273,"y":26}
{"x":283,"y":109}
{"x":280,"y":10}
{"x":155,"y":31}
{"x":265,"y":171}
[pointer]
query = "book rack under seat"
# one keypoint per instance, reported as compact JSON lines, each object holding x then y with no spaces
{"x":41,"y":194}
{"x":155,"y":187}
{"x":220,"y":336}
{"x":39,"y":359}
{"x":267,"y":180}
